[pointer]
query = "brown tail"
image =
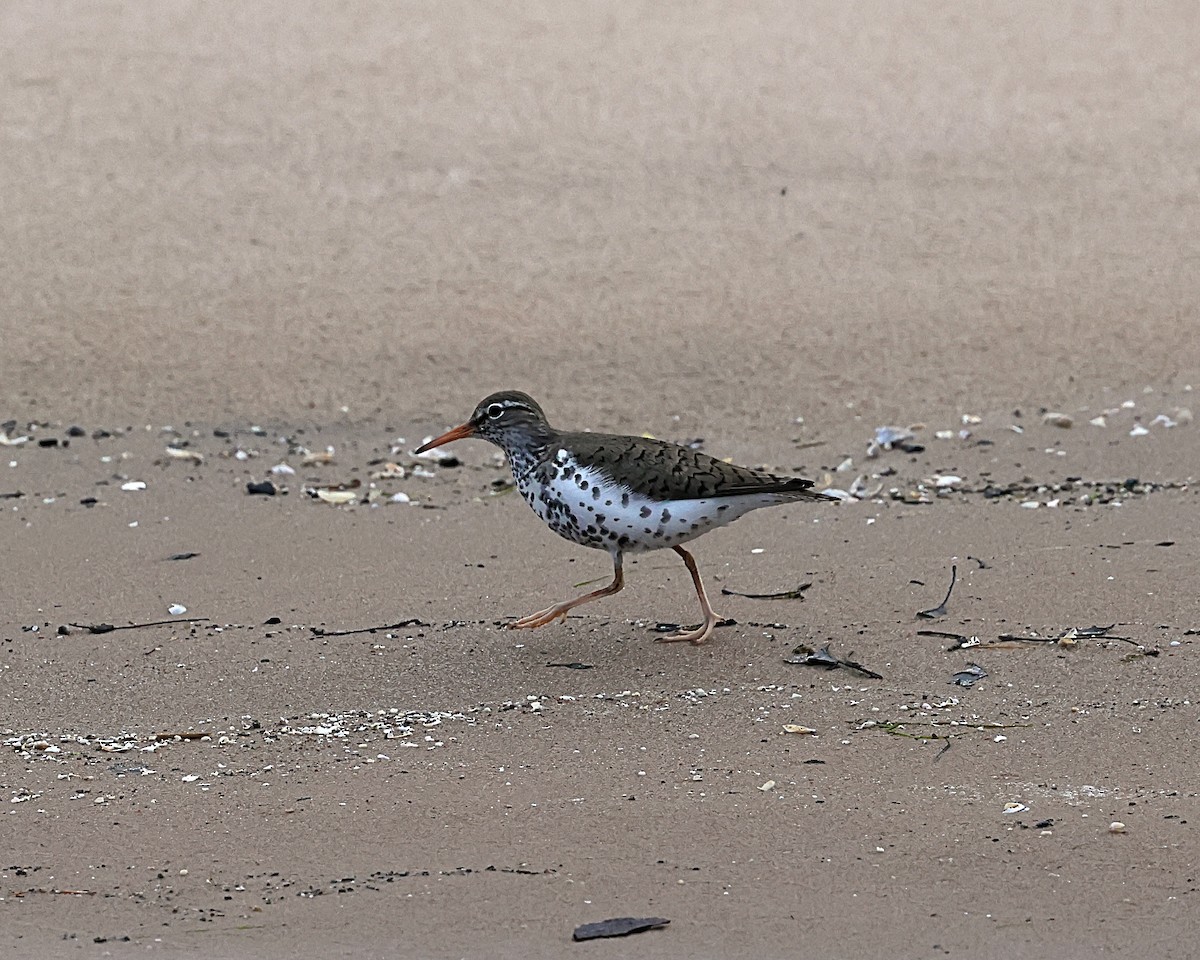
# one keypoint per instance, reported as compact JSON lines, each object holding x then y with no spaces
{"x":796,"y":487}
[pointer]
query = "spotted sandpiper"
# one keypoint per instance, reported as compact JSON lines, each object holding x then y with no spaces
{"x":620,"y":494}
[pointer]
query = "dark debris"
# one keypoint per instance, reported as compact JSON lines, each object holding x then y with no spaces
{"x":618,"y":927}
{"x":796,"y":593}
{"x":940,"y":610}
{"x":970,"y":676}
{"x":805,"y":656}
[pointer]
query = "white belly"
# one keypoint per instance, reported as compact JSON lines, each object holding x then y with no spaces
{"x":582,"y":505}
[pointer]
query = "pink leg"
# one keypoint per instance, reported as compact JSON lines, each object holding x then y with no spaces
{"x":543,"y":617}
{"x":704,"y":631}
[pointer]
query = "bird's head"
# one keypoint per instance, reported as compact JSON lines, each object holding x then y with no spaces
{"x":510,"y":419}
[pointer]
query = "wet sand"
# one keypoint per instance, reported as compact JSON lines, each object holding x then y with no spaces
{"x":265,"y":233}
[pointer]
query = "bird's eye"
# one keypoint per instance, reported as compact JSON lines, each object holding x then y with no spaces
{"x":495,"y":411}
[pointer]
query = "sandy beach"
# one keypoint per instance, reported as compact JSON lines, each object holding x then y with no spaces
{"x":285,"y":243}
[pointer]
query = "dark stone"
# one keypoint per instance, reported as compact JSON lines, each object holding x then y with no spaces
{"x":618,"y":927}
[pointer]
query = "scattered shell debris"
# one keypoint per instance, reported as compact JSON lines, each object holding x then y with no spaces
{"x":969,"y":676}
{"x":805,"y":656}
{"x":317,"y":458}
{"x":183,"y":453}
{"x":1069,"y":638}
{"x":390,"y":471}
{"x":1075,"y":491}
{"x":411,"y":729}
{"x":880,"y":486}
{"x":898,"y":438}
{"x":337,"y":494}
{"x":438,"y":455}
{"x":8,"y":439}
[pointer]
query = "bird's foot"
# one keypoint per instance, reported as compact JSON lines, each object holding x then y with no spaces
{"x":541,"y":618}
{"x":697,"y":636}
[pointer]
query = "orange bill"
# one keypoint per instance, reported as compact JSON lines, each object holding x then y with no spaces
{"x":458,"y":433}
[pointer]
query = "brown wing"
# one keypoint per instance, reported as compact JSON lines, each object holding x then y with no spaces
{"x":668,"y":471}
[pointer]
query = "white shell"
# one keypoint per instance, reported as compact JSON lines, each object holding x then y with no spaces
{"x":337,"y":496}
